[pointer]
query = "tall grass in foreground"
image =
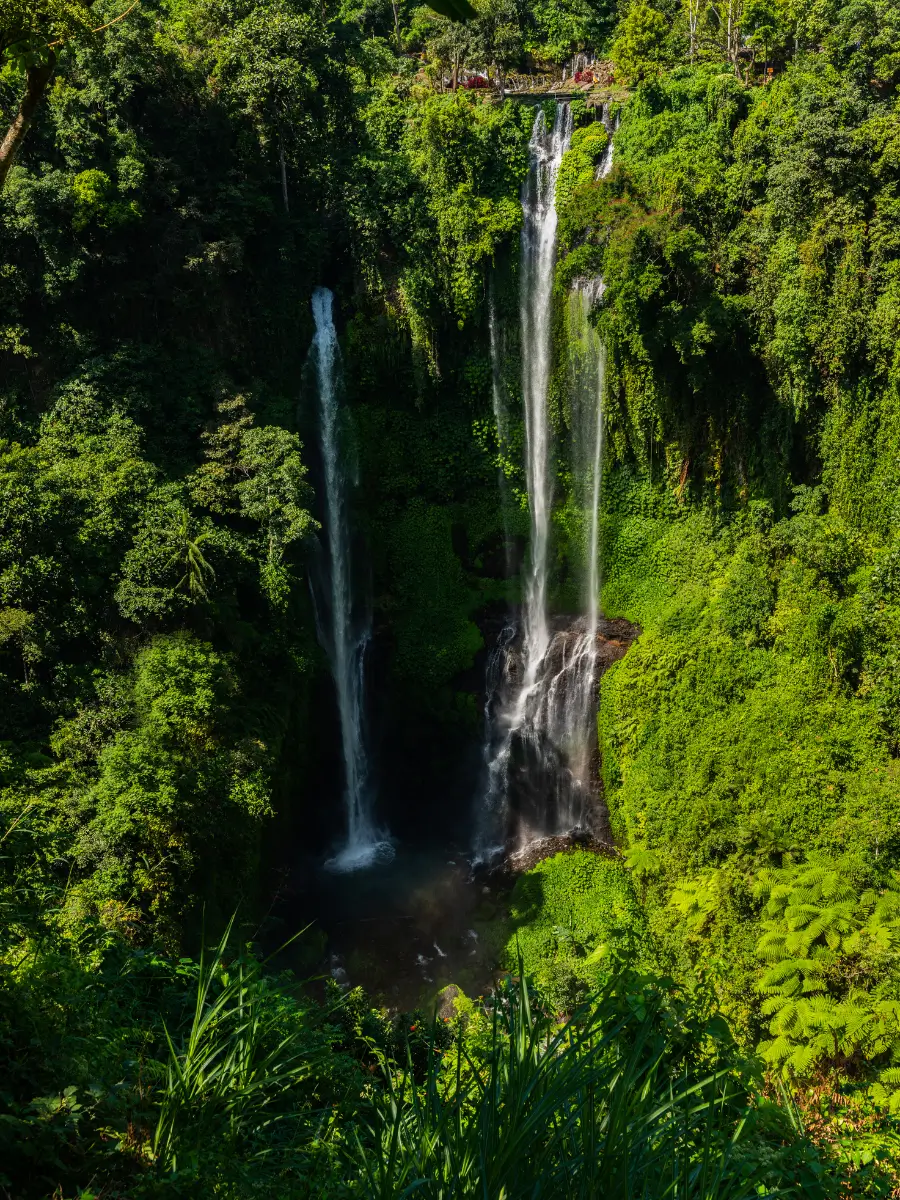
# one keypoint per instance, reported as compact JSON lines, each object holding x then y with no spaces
{"x":604,"y":1105}
{"x":633,"y":1098}
{"x":239,"y":1075}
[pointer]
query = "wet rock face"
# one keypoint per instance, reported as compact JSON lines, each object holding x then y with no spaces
{"x":529,"y":856}
{"x":545,"y":765}
{"x":446,"y":1003}
{"x":613,"y":639}
{"x":554,"y":781}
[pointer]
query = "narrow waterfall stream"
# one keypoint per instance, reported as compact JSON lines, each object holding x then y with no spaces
{"x":587,"y":365}
{"x":546,"y":149}
{"x":500,"y":403}
{"x":343,"y":635}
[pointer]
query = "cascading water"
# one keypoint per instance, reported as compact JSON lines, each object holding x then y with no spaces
{"x":516,"y":672}
{"x":343,"y":636}
{"x":546,"y":149}
{"x":540,"y":740}
{"x":605,"y":165}
{"x":498,"y":392}
{"x":553,"y":770}
{"x":587,"y":359}
{"x":587,"y":374}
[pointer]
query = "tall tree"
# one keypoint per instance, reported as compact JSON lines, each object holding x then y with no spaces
{"x":32,"y":36}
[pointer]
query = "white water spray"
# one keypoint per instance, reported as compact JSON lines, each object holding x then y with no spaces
{"x":540,"y":742}
{"x":557,"y":776}
{"x":498,"y":391}
{"x":605,"y":165}
{"x":344,"y":638}
{"x":588,"y":390}
{"x":546,"y":149}
{"x":499,"y":398}
{"x":511,"y":677}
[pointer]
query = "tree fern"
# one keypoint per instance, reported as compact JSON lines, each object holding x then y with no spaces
{"x":816,"y":923}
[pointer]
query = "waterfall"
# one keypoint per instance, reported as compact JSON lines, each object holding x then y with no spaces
{"x":498,"y":391}
{"x":585,"y":295}
{"x":513,"y":673}
{"x":501,"y":415}
{"x":587,"y":372}
{"x":605,"y":165}
{"x":495,"y":744}
{"x":593,"y":574}
{"x":554,"y":776}
{"x":344,"y":637}
{"x":540,"y":739}
{"x":546,"y":149}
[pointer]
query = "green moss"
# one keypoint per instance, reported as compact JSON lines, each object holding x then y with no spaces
{"x":572,"y":918}
{"x":434,"y":637}
{"x":751,"y":718}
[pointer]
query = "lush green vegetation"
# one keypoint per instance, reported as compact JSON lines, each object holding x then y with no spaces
{"x":190,"y":170}
{"x":189,"y":1079}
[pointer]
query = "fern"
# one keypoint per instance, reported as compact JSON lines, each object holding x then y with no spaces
{"x":814,"y":922}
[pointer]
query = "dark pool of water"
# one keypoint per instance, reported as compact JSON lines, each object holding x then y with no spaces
{"x":404,"y":929}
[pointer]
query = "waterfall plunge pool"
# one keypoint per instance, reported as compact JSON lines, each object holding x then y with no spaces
{"x":406,"y":927}
{"x":402,"y":929}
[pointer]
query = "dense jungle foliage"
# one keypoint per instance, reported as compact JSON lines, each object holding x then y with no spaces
{"x":715,"y":1009}
{"x":747,"y":240}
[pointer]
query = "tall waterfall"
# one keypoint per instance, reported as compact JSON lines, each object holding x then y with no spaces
{"x":588,"y":388}
{"x":546,"y":149}
{"x":344,"y":636}
{"x":541,"y":686}
{"x":501,"y":414}
{"x":513,"y":671}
